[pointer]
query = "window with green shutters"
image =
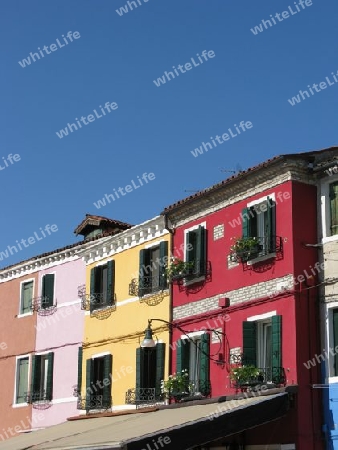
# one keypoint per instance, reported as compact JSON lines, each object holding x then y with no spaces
{"x":334,"y":208}
{"x":22,"y":366}
{"x":196,"y":251}
{"x":152,"y":275}
{"x":335,"y":341}
{"x":149,"y":369}
{"x":102,"y":286}
{"x":98,"y":382}
{"x":193,"y":355}
{"x":262,"y":344}
{"x":42,"y":377}
{"x":259,"y":221}
{"x":26,"y":296}
{"x":47,"y":292}
{"x":79,"y":370}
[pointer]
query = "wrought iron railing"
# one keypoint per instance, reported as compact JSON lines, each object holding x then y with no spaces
{"x":200,"y":268}
{"x":142,"y":397}
{"x":266,"y":375}
{"x":43,"y":306}
{"x":266,"y":245}
{"x":94,"y":402}
{"x":37,"y":396}
{"x":93,"y":301}
{"x":191,"y":388}
{"x":147,"y":285}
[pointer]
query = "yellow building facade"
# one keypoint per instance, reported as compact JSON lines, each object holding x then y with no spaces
{"x":126,"y":285}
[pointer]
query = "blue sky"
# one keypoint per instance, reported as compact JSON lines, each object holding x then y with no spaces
{"x":153,"y":130}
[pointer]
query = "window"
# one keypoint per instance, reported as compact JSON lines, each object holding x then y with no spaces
{"x":334,"y":208}
{"x":196,"y":251}
{"x":42,"y":377}
{"x":47,"y":292}
{"x":152,"y":276}
{"x":193,"y":355}
{"x":259,"y":221}
{"x":149,"y":370}
{"x":98,"y":382}
{"x":26,"y":297}
{"x":21,"y":389}
{"x":262,"y":347}
{"x":334,"y":359}
{"x":102,"y":286}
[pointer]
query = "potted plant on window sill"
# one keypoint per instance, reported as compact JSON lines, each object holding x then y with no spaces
{"x":246,"y":376}
{"x":177,"y":386}
{"x":245,"y":248}
{"x":178,"y":269}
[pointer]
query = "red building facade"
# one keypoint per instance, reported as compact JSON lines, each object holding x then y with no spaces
{"x":247,"y":294}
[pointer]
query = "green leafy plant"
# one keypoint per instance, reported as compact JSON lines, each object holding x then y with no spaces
{"x":245,"y":247}
{"x":178,"y":267}
{"x":178,"y":383}
{"x":245,"y":374}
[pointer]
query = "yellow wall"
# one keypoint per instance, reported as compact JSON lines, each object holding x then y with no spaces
{"x":121,"y":333}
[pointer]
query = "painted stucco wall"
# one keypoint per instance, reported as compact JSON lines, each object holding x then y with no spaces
{"x":62,"y":333}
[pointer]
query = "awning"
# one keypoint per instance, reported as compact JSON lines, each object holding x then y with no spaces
{"x":176,"y":428}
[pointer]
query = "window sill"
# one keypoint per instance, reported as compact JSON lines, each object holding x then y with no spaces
{"x":19,"y":405}
{"x":151,"y":294}
{"x":193,"y":281}
{"x":328,"y":239}
{"x":19,"y":316}
{"x":250,"y":262}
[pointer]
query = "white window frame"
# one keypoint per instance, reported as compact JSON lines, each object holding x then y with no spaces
{"x":328,"y":340}
{"x":17,"y":358}
{"x":28,"y":280}
{"x":325,"y":208}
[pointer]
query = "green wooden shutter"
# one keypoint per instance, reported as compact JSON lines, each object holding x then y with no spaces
{"x":139,"y":367}
{"x":182,"y":355}
{"x":48,"y":290}
{"x":163,"y":282}
{"x":190,"y":255}
{"x":245,"y":222}
{"x":335,"y":341}
{"x":276,"y":338}
{"x":35,"y":374}
{"x":160,"y":355}
{"x":271,"y":225}
{"x":22,"y":380}
{"x":204,"y":382}
{"x":26,"y":297}
{"x":50,"y":366}
{"x":107,"y":370}
{"x":249,"y":343}
{"x":79,"y":370}
{"x":111,"y":283}
{"x":92,"y":289}
{"x":141,"y":281}
{"x":201,"y":246}
{"x":334,"y":208}
{"x":89,"y":380}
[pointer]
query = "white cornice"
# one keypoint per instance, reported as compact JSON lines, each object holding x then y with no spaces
{"x":137,"y":235}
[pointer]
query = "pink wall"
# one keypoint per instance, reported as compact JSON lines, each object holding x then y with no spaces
{"x":62,"y":333}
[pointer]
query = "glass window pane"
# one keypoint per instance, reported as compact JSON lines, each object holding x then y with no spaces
{"x":26,"y":297}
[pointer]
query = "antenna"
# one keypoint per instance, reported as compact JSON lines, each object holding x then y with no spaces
{"x":237,"y":170}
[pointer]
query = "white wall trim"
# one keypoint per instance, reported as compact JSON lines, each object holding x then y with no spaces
{"x":98,"y":355}
{"x":193,"y":334}
{"x":261,"y":316}
{"x":261,"y":200}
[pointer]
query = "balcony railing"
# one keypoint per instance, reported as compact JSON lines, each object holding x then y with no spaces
{"x":200,"y":268}
{"x":142,"y":397}
{"x":94,"y":301}
{"x":38,"y":399}
{"x":266,"y":376}
{"x":94,"y":402}
{"x":266,"y":245}
{"x":43,"y":306}
{"x":190,"y":389}
{"x":146,"y":285}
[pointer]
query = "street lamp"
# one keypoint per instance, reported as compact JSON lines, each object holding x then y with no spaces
{"x":148,"y":341}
